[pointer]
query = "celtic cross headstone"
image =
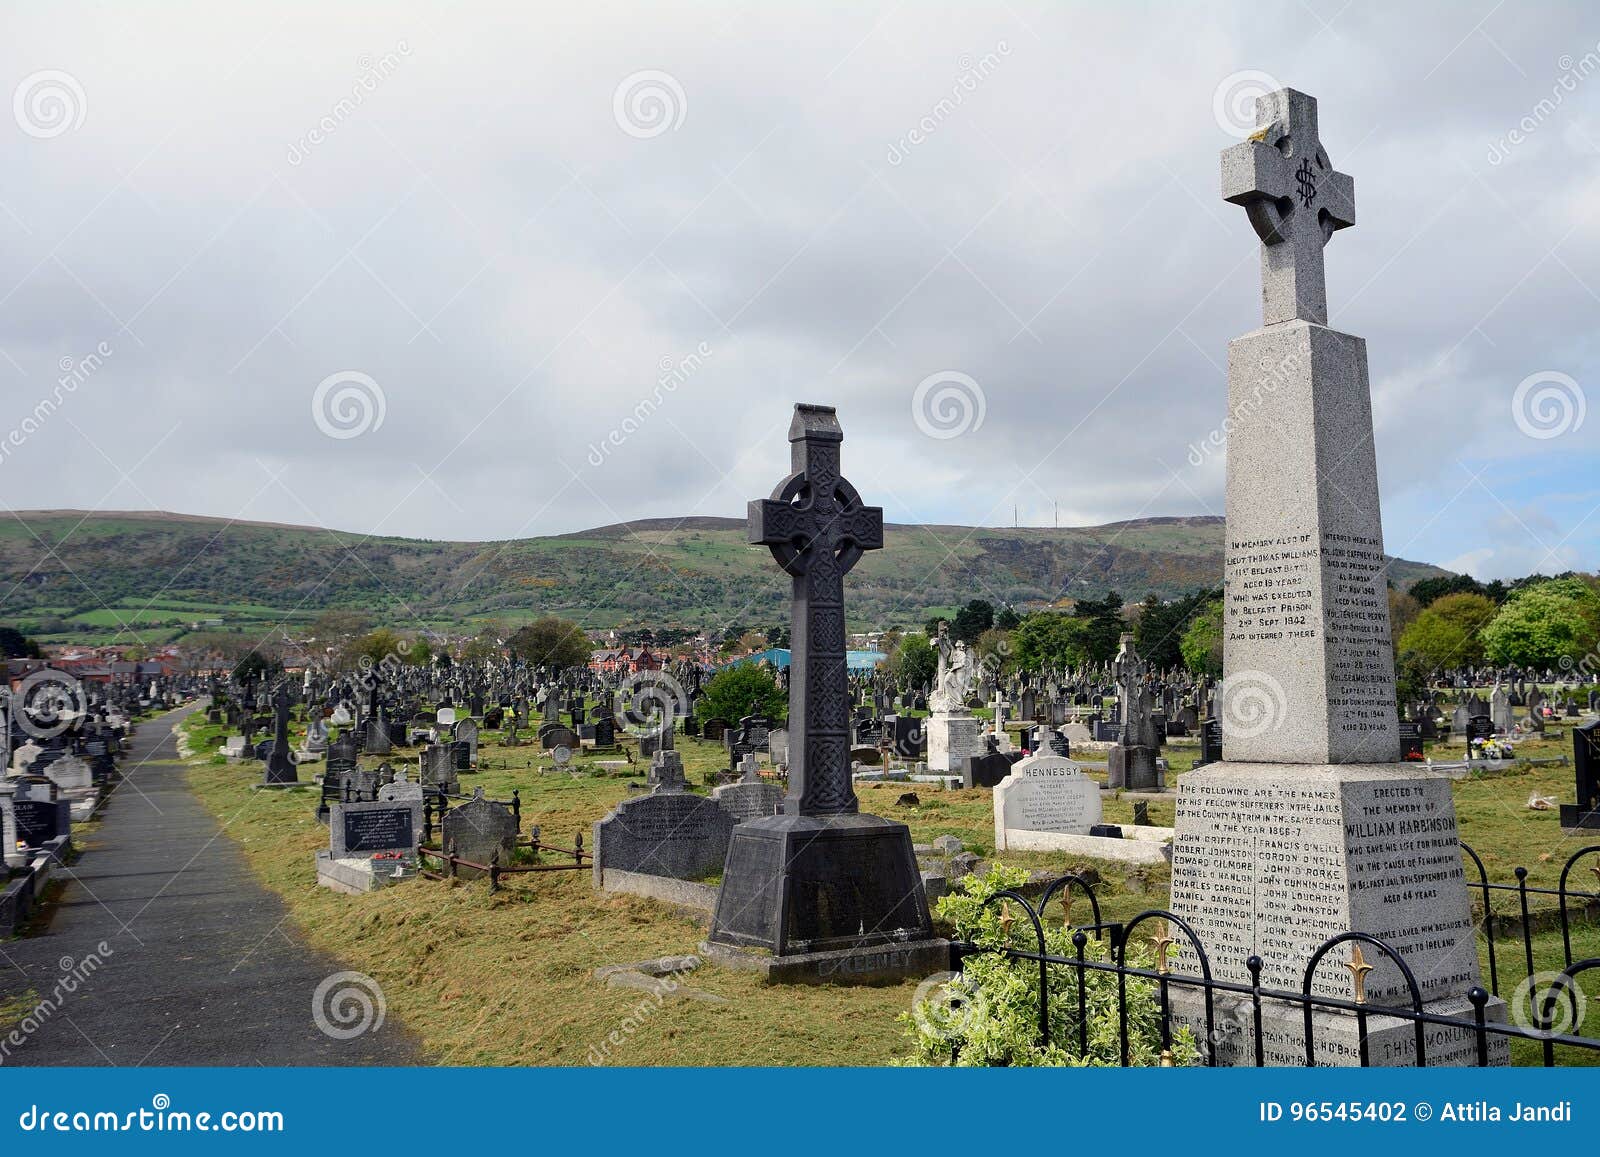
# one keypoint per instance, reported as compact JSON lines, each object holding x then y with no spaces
{"x":821,"y":879}
{"x":817,"y":529}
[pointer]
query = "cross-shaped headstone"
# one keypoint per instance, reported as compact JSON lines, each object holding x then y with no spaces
{"x":1295,"y":201}
{"x":280,"y":767}
{"x":817,"y":529}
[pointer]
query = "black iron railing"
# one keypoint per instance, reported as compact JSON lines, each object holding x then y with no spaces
{"x":1545,"y":1002}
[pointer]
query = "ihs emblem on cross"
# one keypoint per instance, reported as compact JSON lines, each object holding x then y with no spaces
{"x":1306,"y":178}
{"x":1284,"y":181}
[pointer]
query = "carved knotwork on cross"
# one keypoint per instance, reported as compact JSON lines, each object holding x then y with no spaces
{"x":817,"y":529}
{"x":1294,"y":199}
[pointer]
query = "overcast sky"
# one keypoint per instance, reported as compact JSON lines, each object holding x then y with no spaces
{"x":407,"y":270}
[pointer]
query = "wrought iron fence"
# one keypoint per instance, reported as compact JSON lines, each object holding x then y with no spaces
{"x":1548,"y":996}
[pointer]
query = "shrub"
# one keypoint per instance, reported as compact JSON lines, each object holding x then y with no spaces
{"x":989,"y":1014}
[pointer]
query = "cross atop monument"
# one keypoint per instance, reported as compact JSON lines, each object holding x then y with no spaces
{"x":817,"y":529}
{"x":1295,"y":200}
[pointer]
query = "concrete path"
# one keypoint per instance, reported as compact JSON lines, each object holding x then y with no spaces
{"x":200,"y":966}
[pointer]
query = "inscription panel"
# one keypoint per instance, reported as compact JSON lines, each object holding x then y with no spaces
{"x":1275,"y":866}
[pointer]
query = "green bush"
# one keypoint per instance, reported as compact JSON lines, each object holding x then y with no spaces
{"x":989,"y":1014}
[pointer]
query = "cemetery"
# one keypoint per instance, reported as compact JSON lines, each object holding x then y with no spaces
{"x":762,"y":800}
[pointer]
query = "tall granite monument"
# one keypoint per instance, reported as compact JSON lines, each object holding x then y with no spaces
{"x":821,"y":880}
{"x":1310,"y":826}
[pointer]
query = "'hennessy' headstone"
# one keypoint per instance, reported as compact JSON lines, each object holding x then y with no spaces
{"x":821,"y":876}
{"x":1310,"y":827}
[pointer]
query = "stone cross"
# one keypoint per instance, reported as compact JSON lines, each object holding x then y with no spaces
{"x":1295,"y":201}
{"x":280,"y":767}
{"x":817,"y":529}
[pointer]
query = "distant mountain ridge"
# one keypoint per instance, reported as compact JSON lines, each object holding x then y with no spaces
{"x":692,"y":572}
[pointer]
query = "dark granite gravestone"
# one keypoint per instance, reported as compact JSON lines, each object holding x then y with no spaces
{"x":605,"y":732}
{"x":281,"y":769}
{"x":1586,"y":767}
{"x":39,"y":820}
{"x":988,"y":769}
{"x":1210,"y":742}
{"x":1410,"y":741}
{"x":552,"y":737}
{"x":906,"y":737}
{"x":821,"y":876}
{"x":716,"y":728}
{"x":481,"y":831}
{"x":373,"y":828}
{"x":666,"y":833}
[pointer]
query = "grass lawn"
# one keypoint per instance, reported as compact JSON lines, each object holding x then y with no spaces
{"x":508,"y":978}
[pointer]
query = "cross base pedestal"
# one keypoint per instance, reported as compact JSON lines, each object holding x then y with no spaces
{"x":1574,"y":816}
{"x":797,"y":885}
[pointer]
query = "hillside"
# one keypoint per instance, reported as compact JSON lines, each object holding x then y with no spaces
{"x":104,"y":568}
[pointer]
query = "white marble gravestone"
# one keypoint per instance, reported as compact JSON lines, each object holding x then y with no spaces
{"x":1043,"y":796}
{"x":1310,"y":827}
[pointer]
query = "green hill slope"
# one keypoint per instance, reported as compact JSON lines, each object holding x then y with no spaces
{"x":694,"y":572}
